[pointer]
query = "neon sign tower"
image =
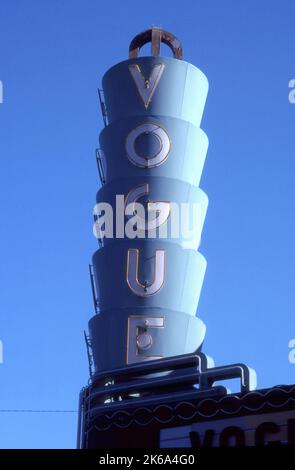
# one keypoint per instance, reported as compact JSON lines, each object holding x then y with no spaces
{"x":154,"y":150}
{"x":145,"y":340}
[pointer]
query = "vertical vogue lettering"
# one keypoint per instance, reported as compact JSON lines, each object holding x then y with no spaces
{"x":146,"y":87}
{"x":148,"y":130}
{"x":139,"y":340}
{"x":145,"y":288}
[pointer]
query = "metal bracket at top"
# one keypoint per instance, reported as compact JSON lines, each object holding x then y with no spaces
{"x":156,"y":36}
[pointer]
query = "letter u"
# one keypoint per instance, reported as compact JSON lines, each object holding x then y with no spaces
{"x":144,"y":289}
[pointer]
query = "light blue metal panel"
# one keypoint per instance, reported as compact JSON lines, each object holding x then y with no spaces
{"x":184,"y":274}
{"x":185,"y":160}
{"x":180,"y":334}
{"x":181,"y":91}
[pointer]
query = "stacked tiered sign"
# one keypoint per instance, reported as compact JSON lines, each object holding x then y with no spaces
{"x":148,"y":272}
{"x":150,"y":384}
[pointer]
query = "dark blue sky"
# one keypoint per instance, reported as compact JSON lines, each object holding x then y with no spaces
{"x":52,"y":57}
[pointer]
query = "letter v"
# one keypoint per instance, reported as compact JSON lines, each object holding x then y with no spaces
{"x":146,"y":87}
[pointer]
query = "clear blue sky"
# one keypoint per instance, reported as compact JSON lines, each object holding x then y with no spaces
{"x":52,"y":57}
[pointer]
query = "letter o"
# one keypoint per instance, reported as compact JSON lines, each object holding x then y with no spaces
{"x":232,"y":432}
{"x":148,"y":161}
